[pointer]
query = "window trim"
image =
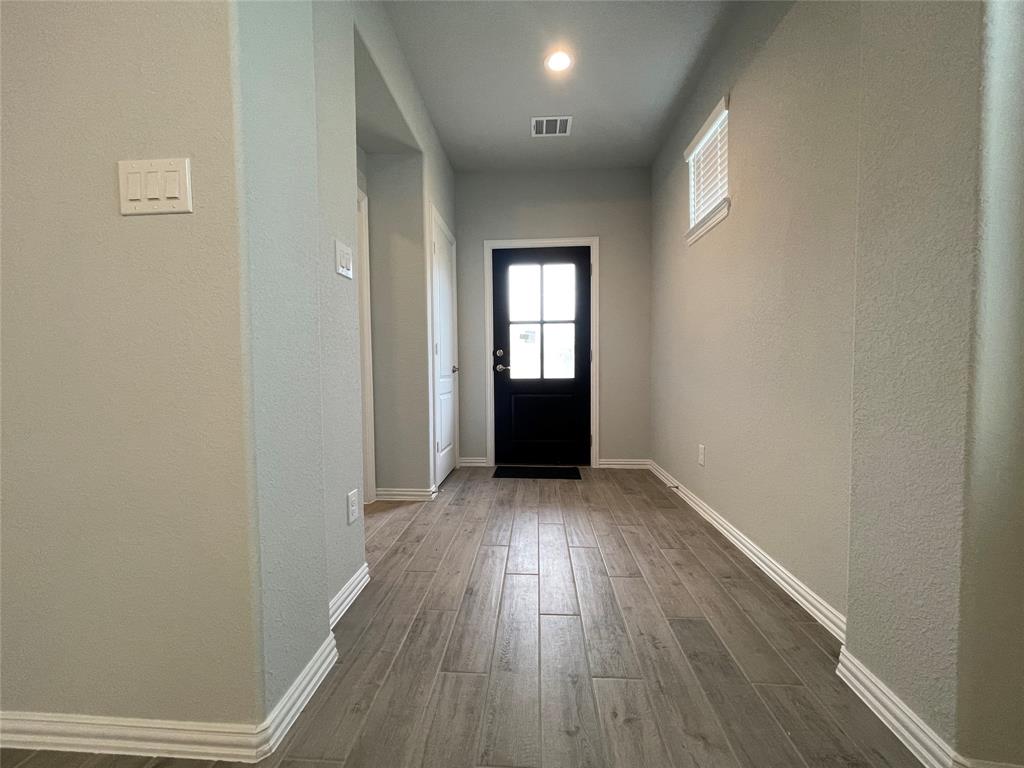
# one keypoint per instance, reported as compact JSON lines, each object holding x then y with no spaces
{"x":711,"y":218}
{"x":701,"y":227}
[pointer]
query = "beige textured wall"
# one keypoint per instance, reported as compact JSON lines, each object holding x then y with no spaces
{"x":917,"y":242}
{"x":202,"y":365}
{"x":752,"y":325}
{"x":127,"y":550}
{"x":613,"y":205}
{"x":829,"y":333}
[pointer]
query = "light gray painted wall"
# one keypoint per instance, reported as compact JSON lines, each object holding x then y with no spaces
{"x":341,"y":386}
{"x":128,"y":544}
{"x":752,"y":325}
{"x":991,"y":699}
{"x":613,"y":205}
{"x":278,"y":166}
{"x":917,"y":240}
{"x":297,"y":123}
{"x":404,"y":347}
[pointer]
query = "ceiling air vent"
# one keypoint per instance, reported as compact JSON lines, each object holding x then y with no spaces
{"x":550,"y":126}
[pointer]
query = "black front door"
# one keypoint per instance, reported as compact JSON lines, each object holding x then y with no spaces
{"x":541,"y":356}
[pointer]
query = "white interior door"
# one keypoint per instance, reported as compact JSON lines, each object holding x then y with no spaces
{"x":445,"y":351}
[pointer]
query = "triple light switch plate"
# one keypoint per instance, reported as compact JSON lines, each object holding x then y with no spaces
{"x":155,"y":186}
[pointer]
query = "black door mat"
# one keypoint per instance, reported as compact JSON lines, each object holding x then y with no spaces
{"x":540,"y":473}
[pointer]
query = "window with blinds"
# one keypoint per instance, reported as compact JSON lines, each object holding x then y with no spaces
{"x":708,"y":159}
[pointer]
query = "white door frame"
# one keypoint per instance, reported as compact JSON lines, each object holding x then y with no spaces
{"x":436,"y":220}
{"x":489,"y":247}
{"x":366,"y":349}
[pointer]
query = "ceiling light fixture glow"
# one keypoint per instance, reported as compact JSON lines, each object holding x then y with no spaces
{"x":559,"y":61}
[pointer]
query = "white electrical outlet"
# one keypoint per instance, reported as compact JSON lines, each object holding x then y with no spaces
{"x":353,"y":505}
{"x":700,"y":454}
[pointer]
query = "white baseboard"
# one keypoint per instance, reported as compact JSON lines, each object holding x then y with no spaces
{"x":812,"y":602}
{"x":295,"y":699}
{"x":407,"y":494}
{"x":624,"y":463}
{"x":341,"y":601}
{"x":925,"y":744}
{"x":241,"y":742}
{"x":473,"y":461}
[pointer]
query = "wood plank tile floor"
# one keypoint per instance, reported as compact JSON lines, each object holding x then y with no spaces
{"x":553,"y":623}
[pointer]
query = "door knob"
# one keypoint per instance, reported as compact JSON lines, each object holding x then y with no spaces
{"x":499,"y":352}
{"x":502,"y":368}
{"x":455,"y":369}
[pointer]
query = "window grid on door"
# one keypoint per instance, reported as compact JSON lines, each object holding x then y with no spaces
{"x":542,"y":324}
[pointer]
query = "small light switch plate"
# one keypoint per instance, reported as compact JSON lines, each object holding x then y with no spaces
{"x":353,"y":505}
{"x":343,"y":259}
{"x":700,"y":454}
{"x":155,"y":186}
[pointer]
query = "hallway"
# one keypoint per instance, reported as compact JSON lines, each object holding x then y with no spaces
{"x":285,"y":281}
{"x":563,"y":623}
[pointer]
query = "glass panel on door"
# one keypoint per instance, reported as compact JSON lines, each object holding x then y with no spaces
{"x":524,"y":292}
{"x":559,"y":350}
{"x":559,"y":292}
{"x":524,"y":350}
{"x":544,"y":349}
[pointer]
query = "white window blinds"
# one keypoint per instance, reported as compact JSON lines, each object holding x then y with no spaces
{"x":708,"y":159}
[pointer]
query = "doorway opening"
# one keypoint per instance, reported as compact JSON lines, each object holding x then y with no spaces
{"x":400,"y":370}
{"x":541,"y":314}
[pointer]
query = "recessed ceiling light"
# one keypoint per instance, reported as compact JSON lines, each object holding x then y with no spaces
{"x":559,"y":61}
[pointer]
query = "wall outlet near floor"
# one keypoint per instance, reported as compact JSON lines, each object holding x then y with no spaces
{"x":700,"y":454}
{"x":353,"y":506}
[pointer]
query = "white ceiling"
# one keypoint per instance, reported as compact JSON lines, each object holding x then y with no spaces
{"x":479,"y":66}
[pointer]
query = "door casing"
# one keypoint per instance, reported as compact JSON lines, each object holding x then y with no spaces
{"x":366,"y":349}
{"x":488,"y":351}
